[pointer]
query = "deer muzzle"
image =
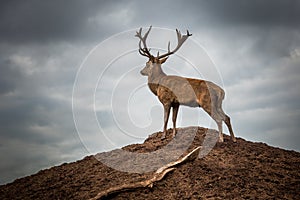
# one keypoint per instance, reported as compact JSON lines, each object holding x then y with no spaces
{"x":143,"y":72}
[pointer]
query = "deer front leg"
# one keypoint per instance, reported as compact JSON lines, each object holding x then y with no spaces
{"x":175,"y":112}
{"x":167,"y":109}
{"x":219,"y":123}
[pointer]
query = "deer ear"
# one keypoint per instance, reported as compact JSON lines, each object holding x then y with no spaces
{"x":163,"y":60}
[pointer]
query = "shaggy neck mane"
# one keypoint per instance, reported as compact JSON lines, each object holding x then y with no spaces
{"x":154,"y":79}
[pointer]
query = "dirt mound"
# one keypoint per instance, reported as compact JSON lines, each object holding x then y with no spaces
{"x":242,"y":170}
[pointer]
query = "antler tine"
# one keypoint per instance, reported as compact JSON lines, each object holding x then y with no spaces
{"x":188,"y":33}
{"x":178,"y":35}
{"x":146,"y":34}
{"x":180,"y":39}
{"x":143,"y":51}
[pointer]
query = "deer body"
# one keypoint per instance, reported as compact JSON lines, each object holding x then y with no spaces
{"x":173,"y":91}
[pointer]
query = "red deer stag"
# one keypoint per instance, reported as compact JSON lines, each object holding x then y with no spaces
{"x":173,"y":91}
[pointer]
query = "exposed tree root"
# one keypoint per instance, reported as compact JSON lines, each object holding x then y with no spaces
{"x":157,"y":176}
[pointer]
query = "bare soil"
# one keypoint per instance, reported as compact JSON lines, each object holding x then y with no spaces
{"x":242,"y":170}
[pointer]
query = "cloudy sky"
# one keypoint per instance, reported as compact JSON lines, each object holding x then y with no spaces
{"x":51,"y":51}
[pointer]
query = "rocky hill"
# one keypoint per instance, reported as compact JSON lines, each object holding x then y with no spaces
{"x":242,"y":170}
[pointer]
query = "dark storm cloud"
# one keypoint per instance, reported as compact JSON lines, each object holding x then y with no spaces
{"x":8,"y":77}
{"x":276,"y":43}
{"x":37,"y":128}
{"x":220,"y":14}
{"x":37,"y":131}
{"x":41,"y":21}
{"x":255,"y":12}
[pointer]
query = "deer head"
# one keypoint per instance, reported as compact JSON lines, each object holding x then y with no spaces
{"x":153,"y":66}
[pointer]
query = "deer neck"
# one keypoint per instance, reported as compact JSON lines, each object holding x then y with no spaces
{"x":154,"y":79}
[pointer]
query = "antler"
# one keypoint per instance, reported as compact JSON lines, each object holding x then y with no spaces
{"x":143,"y":51}
{"x":181,"y":39}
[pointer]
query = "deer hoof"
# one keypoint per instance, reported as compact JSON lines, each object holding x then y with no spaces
{"x":174,"y":133}
{"x":234,"y":140}
{"x":221,"y":140}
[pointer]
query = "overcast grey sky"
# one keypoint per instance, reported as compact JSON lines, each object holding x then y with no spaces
{"x":254,"y":46}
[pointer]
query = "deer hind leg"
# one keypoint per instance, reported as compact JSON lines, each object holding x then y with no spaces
{"x":228,"y":124}
{"x":175,"y":112}
{"x":212,"y":111}
{"x":218,"y":119}
{"x":226,"y":119}
{"x":167,"y":109}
